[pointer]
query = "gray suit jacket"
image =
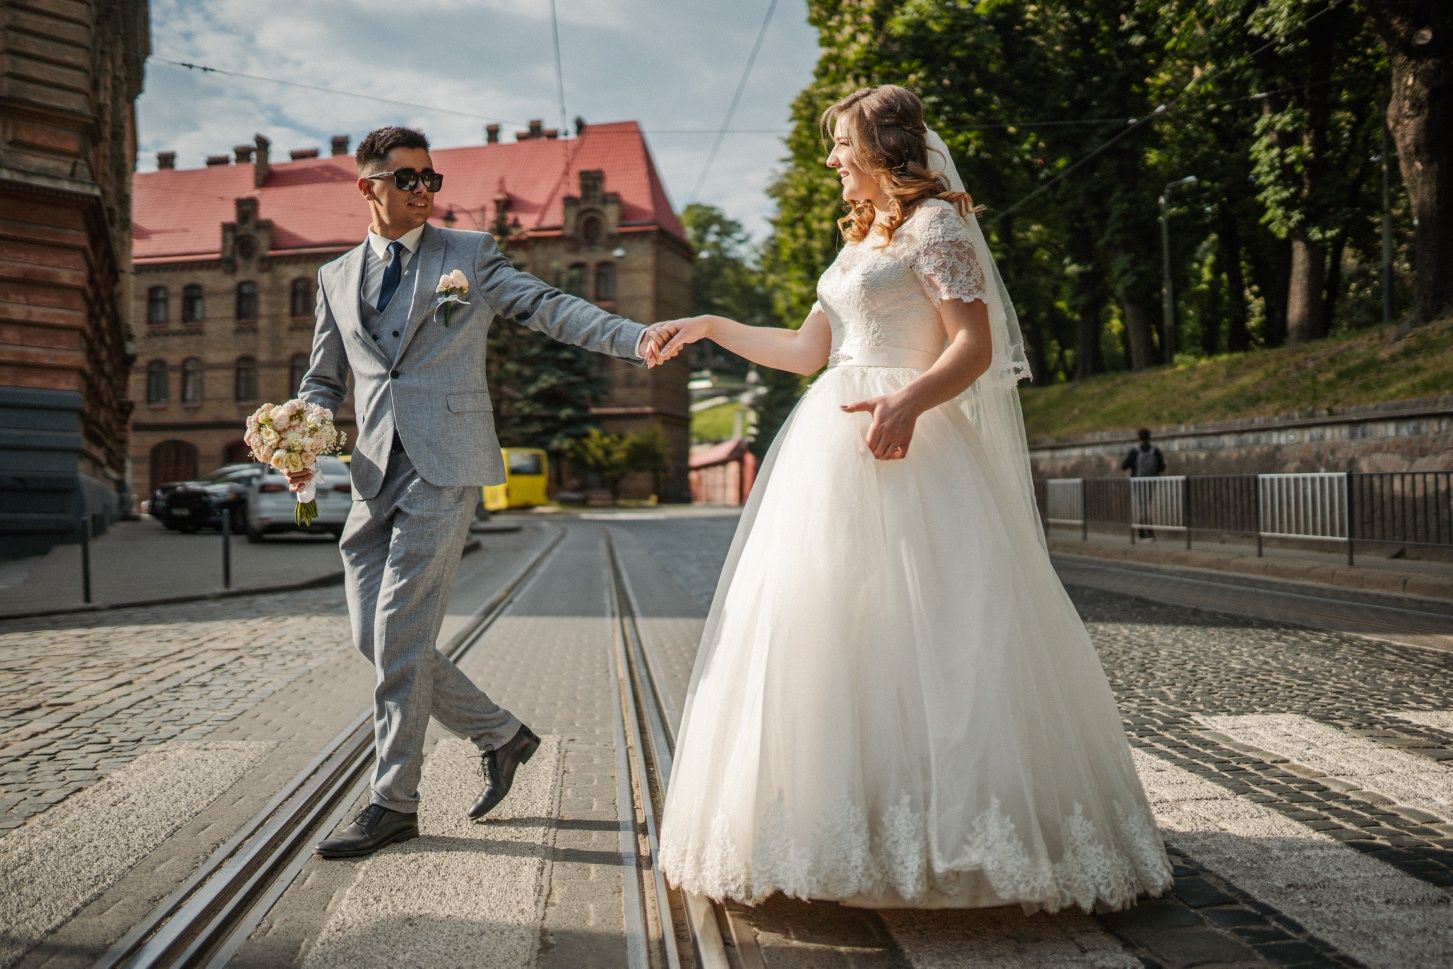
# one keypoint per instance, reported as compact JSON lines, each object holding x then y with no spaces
{"x":433,"y":393}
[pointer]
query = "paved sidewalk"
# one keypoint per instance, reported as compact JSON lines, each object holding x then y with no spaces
{"x":140,"y":563}
{"x":1371,"y":572}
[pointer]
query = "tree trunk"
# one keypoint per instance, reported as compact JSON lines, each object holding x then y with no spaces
{"x":1419,"y":38}
{"x":1333,"y":285}
{"x":1138,"y":323}
{"x":1306,"y":308}
{"x":1271,"y":278}
{"x":1238,"y":335}
{"x":1087,"y":302}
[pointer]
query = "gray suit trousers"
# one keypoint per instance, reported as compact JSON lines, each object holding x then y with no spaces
{"x":401,"y":550}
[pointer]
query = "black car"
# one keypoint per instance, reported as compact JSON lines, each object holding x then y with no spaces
{"x":189,"y":505}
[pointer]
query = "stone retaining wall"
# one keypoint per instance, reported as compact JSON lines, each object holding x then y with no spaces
{"x":1415,"y":435}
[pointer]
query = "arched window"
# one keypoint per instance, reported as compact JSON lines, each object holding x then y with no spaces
{"x":192,"y":306}
{"x":156,"y":382}
{"x":591,"y":230}
{"x":297,"y":368}
{"x":246,"y":302}
{"x":301,"y":303}
{"x":574,"y":281}
{"x":156,"y":308}
{"x":605,"y":282}
{"x":191,"y":381}
{"x":244,"y":386}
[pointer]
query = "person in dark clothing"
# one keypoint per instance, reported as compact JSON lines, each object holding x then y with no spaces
{"x":1143,"y":461}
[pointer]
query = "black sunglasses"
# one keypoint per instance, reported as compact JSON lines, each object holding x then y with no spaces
{"x":406,"y":178}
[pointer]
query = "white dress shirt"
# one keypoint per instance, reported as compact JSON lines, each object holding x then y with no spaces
{"x":379,"y":257}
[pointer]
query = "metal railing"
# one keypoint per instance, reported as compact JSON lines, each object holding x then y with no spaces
{"x":1371,"y":507}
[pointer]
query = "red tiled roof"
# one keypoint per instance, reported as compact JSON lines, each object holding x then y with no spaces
{"x":706,"y":455}
{"x":312,"y":203}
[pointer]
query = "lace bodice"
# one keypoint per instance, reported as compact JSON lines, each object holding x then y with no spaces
{"x":888,"y":296}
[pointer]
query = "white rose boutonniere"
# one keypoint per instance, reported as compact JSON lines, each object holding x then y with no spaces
{"x":452,"y":288}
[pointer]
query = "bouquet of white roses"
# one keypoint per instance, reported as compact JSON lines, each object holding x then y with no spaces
{"x":289,"y":437}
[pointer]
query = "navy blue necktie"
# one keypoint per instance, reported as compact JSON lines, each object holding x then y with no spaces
{"x":391,"y":274}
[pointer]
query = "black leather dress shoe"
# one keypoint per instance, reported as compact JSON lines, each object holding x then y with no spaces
{"x":375,"y":827}
{"x":499,"y":767}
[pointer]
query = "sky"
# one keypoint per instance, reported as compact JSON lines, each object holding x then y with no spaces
{"x":672,"y":65}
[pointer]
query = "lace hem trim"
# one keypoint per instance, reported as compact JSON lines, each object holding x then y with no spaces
{"x":890,"y":859}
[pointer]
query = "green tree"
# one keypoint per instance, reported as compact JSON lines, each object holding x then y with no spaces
{"x":725,"y":281}
{"x":605,"y":457}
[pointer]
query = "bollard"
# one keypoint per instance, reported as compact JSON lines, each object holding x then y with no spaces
{"x":85,"y":560}
{"x":226,"y":548}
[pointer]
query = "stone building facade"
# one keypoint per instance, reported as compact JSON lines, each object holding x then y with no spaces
{"x":69,"y":77}
{"x":227,"y":256}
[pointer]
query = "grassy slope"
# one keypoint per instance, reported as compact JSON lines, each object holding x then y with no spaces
{"x":1362,"y":368}
{"x":714,"y":423}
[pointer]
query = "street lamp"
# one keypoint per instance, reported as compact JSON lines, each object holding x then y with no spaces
{"x":1168,"y":305}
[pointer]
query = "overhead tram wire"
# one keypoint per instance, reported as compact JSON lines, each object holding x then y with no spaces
{"x":1160,"y":109}
{"x":203,"y":68}
{"x":736,"y":98}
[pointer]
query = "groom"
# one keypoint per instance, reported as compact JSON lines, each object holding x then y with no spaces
{"x":426,"y":443}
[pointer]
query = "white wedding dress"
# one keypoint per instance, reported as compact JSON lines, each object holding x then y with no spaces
{"x":895,"y":703}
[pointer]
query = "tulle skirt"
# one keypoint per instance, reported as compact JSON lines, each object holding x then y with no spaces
{"x":895,"y":703}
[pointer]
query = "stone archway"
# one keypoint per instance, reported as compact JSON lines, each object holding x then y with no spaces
{"x":173,"y":461}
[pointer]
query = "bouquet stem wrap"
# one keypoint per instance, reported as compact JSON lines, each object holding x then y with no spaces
{"x":306,"y":510}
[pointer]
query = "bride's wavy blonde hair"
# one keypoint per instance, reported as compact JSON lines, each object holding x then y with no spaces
{"x":884,"y":126}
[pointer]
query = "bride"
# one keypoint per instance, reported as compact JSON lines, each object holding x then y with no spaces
{"x":895,"y":703}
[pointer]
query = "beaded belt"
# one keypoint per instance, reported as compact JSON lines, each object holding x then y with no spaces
{"x":851,"y":356}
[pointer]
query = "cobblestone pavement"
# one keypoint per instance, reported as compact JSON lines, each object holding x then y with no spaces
{"x":83,"y":695}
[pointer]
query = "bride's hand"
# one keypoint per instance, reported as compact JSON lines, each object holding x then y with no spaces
{"x":684,"y":332}
{"x":892,"y":429}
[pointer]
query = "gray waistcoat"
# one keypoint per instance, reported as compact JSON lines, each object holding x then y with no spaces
{"x":387,"y":327}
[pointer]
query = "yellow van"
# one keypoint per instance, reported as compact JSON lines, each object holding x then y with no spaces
{"x":527,"y":470}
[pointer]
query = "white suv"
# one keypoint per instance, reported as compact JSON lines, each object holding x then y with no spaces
{"x":270,"y":504}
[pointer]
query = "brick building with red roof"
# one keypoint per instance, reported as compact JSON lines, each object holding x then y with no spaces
{"x":226,"y":259}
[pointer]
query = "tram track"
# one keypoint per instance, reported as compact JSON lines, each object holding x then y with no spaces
{"x":205,"y":920}
{"x":647,"y":739}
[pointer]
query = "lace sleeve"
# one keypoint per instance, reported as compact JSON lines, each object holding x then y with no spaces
{"x":943,"y":257}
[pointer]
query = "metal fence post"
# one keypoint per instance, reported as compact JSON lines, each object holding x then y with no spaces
{"x":1084,"y":510}
{"x":1186,"y":508}
{"x":226,"y":548}
{"x":85,"y":526}
{"x":1351,"y":519}
{"x":1256,"y":492}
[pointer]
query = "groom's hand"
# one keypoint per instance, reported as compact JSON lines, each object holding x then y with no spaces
{"x":653,"y":340}
{"x":298,"y":479}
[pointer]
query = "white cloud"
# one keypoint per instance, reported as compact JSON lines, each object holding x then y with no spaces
{"x":671,"y":66}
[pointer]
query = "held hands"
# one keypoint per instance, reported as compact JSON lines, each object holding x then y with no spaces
{"x":892,"y":428}
{"x":653,"y":342}
{"x":682,"y":333}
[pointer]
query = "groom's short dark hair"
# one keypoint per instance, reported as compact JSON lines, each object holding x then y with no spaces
{"x":374,"y":148}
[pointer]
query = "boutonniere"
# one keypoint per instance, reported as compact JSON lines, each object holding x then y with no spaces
{"x":452,"y":288}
